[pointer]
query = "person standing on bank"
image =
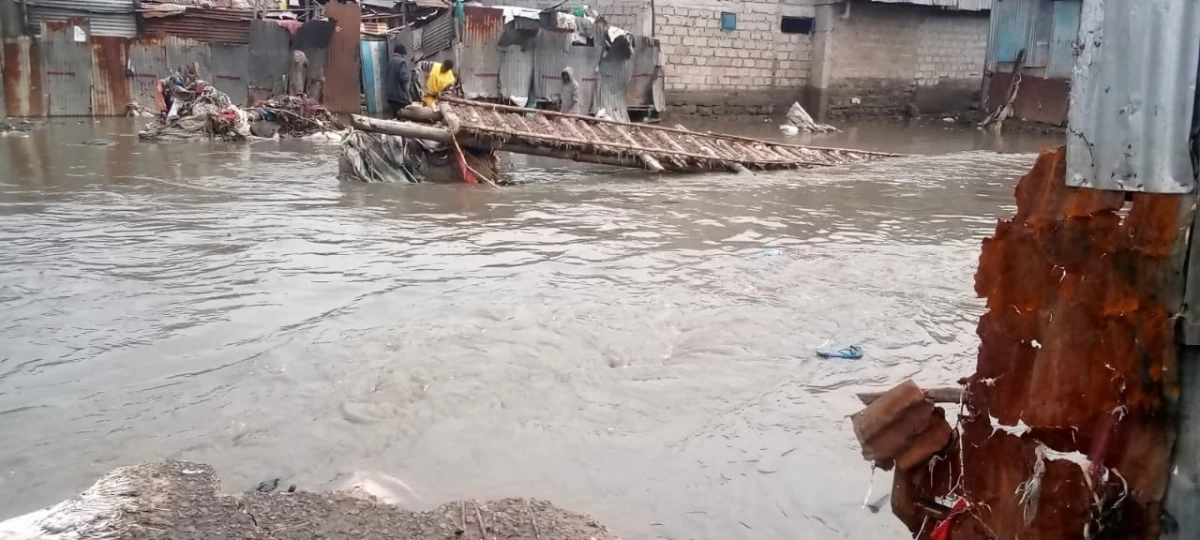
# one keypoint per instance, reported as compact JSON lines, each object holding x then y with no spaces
{"x":569,"y":95}
{"x":397,"y":80}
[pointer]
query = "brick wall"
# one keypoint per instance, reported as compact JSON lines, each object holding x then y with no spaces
{"x":628,"y":15}
{"x":886,"y":56}
{"x":750,"y":70}
{"x":951,"y":57}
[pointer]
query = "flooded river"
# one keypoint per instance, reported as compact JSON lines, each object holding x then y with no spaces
{"x":637,"y":349}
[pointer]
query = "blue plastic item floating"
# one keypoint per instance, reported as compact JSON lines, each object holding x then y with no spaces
{"x":853,"y":352}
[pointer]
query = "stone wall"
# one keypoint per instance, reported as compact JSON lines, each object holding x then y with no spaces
{"x":885,"y":56}
{"x":751,"y":70}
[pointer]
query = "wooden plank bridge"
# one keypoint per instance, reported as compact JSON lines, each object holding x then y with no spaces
{"x":488,"y":126}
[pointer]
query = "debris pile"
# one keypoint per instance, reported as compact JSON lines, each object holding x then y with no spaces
{"x":799,"y":121}
{"x":180,"y":500}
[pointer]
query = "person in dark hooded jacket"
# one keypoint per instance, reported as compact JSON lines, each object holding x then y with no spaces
{"x":397,"y":80}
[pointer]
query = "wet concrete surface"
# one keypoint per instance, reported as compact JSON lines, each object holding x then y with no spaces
{"x":639,"y":350}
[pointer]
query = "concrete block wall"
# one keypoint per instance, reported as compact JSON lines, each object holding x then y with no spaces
{"x":754,"y":69}
{"x":885,"y":56}
{"x":951,"y":58}
{"x":629,"y":15}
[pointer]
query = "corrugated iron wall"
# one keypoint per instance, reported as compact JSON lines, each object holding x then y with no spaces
{"x":554,"y":52}
{"x":435,"y":36}
{"x":342,"y":85}
{"x":229,"y":70}
{"x":24,"y":91}
{"x":110,"y":85}
{"x":1011,"y":26}
{"x":148,"y":58}
{"x":269,"y":57}
{"x":516,"y":74}
{"x":481,"y":56}
{"x":1063,"y":39}
{"x":374,"y":74}
{"x":67,"y":68}
{"x":1134,"y":96}
{"x":209,"y":26}
{"x":613,"y":82}
{"x":110,"y":18}
{"x":643,"y":72}
{"x":183,"y":53}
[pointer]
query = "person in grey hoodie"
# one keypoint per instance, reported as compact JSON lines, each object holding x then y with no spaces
{"x":569,"y":95}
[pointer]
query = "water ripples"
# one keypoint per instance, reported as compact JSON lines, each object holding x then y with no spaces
{"x":637,"y":349}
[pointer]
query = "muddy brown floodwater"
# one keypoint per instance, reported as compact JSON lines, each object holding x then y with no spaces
{"x":635,"y":349}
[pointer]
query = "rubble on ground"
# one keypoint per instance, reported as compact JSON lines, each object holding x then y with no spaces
{"x":180,"y":500}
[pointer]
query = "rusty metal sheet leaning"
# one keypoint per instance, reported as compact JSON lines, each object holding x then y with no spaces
{"x":110,"y":85}
{"x":67,"y":67}
{"x":1067,"y":428}
{"x":343,"y":81}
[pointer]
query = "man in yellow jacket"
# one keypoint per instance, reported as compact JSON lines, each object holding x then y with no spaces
{"x":441,"y":78}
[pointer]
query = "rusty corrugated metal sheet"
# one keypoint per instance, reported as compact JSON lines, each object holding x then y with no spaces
{"x":343,"y":79}
{"x":902,"y":428}
{"x":1039,"y":99}
{"x":554,"y":52}
{"x":1067,"y":429}
{"x":229,"y":70}
{"x":110,"y":85}
{"x":1133,"y":96}
{"x":148,"y":58}
{"x":24,"y":91}
{"x":269,"y":56}
{"x":183,"y":52}
{"x":479,"y":72}
{"x":67,"y":68}
{"x":110,"y":18}
{"x":207,"y":25}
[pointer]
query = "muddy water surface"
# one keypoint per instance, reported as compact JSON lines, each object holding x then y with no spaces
{"x":636,"y":349}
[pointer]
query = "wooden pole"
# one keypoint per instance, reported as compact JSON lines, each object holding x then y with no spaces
{"x":648,"y":127}
{"x":440,"y":134}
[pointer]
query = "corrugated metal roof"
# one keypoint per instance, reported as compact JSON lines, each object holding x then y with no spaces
{"x":112,"y":18}
{"x":1133,"y":95}
{"x":436,"y":36}
{"x":207,"y":25}
{"x":965,"y":5}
